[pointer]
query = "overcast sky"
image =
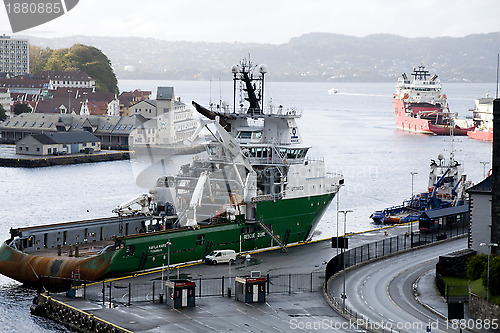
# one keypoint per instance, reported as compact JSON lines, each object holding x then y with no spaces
{"x":269,"y":21}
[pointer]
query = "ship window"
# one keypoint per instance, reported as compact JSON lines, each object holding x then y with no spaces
{"x":212,"y":150}
{"x":257,"y":135}
{"x":259,"y":152}
{"x":244,"y":135}
{"x":130,"y":250}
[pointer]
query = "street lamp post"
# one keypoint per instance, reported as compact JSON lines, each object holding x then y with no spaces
{"x":413,"y":173}
{"x":484,"y":167}
{"x":344,"y":296}
{"x":488,"y":278}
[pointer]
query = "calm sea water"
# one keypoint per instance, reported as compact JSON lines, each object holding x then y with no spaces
{"x":353,"y":130}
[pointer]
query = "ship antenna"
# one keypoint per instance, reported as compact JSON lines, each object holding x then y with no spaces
{"x":498,"y":63}
{"x":210,"y":90}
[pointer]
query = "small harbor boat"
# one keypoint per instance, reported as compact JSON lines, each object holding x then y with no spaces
{"x":446,"y":189}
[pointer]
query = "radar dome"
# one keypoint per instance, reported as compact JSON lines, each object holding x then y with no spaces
{"x":263,"y":69}
{"x":440,"y":157}
{"x":235,"y":69}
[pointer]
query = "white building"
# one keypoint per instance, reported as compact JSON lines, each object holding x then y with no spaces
{"x":5,"y":100}
{"x":170,"y":121}
{"x":14,"y":55}
{"x":480,"y":215}
{"x":68,"y":79}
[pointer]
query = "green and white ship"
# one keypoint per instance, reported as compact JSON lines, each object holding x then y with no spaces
{"x":253,"y":188}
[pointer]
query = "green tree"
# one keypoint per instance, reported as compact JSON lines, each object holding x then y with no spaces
{"x":476,"y":266}
{"x":39,"y":58}
{"x":88,"y":59}
{"x":21,"y":108}
{"x":3,"y":113}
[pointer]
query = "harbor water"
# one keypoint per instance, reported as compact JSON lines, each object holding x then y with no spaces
{"x":352,"y":130}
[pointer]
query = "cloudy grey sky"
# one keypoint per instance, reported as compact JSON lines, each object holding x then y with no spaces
{"x":269,"y":21}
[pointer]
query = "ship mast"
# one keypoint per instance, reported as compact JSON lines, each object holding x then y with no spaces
{"x":252,"y":85}
{"x":421,"y":73}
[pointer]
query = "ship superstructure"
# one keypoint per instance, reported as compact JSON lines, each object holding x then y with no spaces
{"x":482,"y":115}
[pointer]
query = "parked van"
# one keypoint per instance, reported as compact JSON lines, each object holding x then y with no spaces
{"x":220,"y":256}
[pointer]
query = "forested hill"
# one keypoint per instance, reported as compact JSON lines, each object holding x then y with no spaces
{"x":311,"y":57}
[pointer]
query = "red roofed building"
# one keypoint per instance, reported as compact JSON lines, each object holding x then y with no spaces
{"x":129,"y":98}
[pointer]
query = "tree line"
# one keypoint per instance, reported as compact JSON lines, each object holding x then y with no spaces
{"x":78,"y":57}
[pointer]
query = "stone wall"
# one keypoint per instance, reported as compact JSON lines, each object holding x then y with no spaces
{"x":453,"y":264}
{"x":477,"y":308}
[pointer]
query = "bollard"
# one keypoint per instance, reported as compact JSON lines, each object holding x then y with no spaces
{"x":229,"y":292}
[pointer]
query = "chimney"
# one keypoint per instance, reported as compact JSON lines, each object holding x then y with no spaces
{"x":495,"y":173}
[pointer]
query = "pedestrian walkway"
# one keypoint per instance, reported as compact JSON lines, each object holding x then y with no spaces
{"x":428,"y":296}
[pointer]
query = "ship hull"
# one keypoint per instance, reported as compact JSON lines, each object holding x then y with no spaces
{"x":481,"y":135}
{"x":422,"y":126}
{"x":405,"y":123}
{"x":291,"y":220}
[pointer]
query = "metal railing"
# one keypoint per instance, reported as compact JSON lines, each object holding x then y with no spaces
{"x":128,"y":292}
{"x":376,"y":250}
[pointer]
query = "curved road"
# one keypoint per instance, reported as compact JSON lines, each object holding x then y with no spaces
{"x":382,"y":291}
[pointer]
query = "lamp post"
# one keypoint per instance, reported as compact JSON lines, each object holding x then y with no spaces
{"x":484,"y":167}
{"x":338,"y":222}
{"x":344,"y":296}
{"x":413,"y":173}
{"x":488,"y":278}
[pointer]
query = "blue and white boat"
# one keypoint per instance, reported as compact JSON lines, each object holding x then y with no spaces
{"x":446,"y":188}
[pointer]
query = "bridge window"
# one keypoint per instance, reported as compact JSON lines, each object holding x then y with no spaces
{"x":244,"y":135}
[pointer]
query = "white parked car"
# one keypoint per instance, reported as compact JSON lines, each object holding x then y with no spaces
{"x":221,"y":256}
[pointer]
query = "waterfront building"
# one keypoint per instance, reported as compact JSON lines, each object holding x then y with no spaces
{"x":58,"y":143}
{"x":169,"y":121}
{"x":14,"y":55}
{"x":112,"y":131}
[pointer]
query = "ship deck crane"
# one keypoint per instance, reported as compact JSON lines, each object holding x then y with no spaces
{"x":126,"y":208}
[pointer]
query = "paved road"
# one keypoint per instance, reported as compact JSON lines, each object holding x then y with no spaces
{"x":382,"y":291}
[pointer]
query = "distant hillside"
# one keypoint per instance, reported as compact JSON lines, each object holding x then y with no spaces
{"x":311,"y":57}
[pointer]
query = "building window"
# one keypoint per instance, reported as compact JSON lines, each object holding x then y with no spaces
{"x":37,"y":149}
